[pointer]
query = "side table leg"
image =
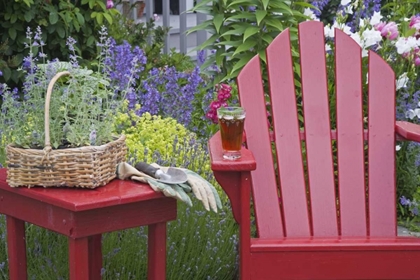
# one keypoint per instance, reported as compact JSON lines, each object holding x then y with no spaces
{"x":16,"y":248}
{"x":95,"y":256}
{"x":156,"y":265}
{"x":79,"y":258}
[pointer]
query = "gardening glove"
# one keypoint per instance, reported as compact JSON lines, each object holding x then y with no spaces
{"x":126,"y":171}
{"x":202,"y":189}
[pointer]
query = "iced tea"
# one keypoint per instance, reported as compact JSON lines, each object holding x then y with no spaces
{"x":231,"y":122}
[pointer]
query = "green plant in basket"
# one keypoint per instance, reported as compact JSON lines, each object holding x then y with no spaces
{"x":82,"y":105}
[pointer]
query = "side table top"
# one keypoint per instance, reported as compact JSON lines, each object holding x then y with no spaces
{"x":79,"y":199}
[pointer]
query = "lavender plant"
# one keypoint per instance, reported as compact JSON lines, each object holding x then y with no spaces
{"x":83,"y":105}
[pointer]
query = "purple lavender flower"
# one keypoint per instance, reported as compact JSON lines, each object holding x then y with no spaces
{"x":124,"y":65}
{"x":320,"y":5}
{"x":252,"y":8}
{"x":1,"y":73}
{"x":404,"y":201}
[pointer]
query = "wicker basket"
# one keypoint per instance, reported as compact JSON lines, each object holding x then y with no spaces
{"x":85,"y":167}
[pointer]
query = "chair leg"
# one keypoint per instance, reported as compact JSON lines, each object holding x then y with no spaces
{"x":16,"y":248}
{"x":156,"y":266}
{"x":79,"y":258}
{"x":95,"y":257}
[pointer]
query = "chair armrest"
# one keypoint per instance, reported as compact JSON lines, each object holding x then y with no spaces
{"x":408,"y":131}
{"x":218,"y":163}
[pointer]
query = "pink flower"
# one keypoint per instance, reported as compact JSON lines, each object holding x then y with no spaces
{"x":226,"y":87}
{"x":417,"y":61}
{"x":109,"y":4}
{"x":390,"y":30}
{"x":415,"y":22}
{"x":223,"y":96}
{"x":215,"y":105}
{"x":380,"y":26}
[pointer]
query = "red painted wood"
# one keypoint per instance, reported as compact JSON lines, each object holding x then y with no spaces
{"x":339,"y":243}
{"x":245,"y":227}
{"x":115,"y":193}
{"x":79,"y":258}
{"x":350,"y":150}
{"x":382,"y":214}
{"x":231,"y":184}
{"x":317,"y":129}
{"x":408,"y":131}
{"x":265,"y":191}
{"x":82,"y":223}
{"x":333,"y":135}
{"x":288,"y":145}
{"x":336,"y":262}
{"x":91,"y":222}
{"x":16,"y":248}
{"x":329,"y":255}
{"x":95,"y":256}
{"x":157,"y":252}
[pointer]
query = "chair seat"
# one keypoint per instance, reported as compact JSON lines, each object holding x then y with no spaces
{"x":335,"y":244}
{"x":335,"y":258}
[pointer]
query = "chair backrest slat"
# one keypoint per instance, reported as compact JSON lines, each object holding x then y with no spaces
{"x":288,"y":144}
{"x":350,"y":145}
{"x":381,"y":151}
{"x":309,"y":205}
{"x":317,"y":129}
{"x":265,"y":192}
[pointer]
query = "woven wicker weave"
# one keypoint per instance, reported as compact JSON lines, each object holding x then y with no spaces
{"x":86,"y":167}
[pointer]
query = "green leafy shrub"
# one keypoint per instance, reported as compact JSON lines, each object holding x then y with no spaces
{"x":152,"y":138}
{"x":241,"y":29}
{"x":58,"y":20}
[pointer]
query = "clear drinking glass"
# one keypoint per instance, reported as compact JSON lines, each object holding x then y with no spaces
{"x":231,"y":122}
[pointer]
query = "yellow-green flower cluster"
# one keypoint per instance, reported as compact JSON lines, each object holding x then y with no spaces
{"x":153,"y":138}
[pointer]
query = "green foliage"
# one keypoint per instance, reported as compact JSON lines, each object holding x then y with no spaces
{"x":151,"y":39}
{"x":58,"y":20}
{"x":151,"y":138}
{"x":82,"y":103}
{"x":399,"y":10}
{"x":408,"y":174}
{"x":242,"y":29}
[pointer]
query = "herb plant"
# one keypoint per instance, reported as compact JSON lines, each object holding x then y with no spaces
{"x":82,"y":106}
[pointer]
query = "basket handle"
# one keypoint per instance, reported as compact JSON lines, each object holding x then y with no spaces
{"x":47,"y":146}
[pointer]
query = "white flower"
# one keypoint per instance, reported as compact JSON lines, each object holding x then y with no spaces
{"x":402,"y":81}
{"x":345,"y":2}
{"x":376,"y":18}
{"x":397,"y":148}
{"x":346,"y":29}
{"x":371,"y":37}
{"x":348,"y":10}
{"x":328,"y":31}
{"x":362,"y":23}
{"x":356,"y":37}
{"x":405,"y":45}
{"x":410,"y":114}
{"x":327,"y":47}
{"x":309,"y":13}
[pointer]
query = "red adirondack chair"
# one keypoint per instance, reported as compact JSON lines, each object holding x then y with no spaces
{"x":315,"y":229}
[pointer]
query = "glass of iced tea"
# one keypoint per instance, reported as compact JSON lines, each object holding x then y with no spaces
{"x":231,"y":122}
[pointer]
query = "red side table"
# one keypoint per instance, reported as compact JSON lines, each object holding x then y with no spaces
{"x":83,"y":215}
